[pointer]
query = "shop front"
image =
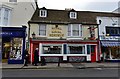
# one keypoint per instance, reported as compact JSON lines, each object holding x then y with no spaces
{"x":111,"y":50}
{"x":13,"y":44}
{"x":67,"y":51}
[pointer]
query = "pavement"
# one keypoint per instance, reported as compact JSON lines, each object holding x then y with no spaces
{"x":62,"y":65}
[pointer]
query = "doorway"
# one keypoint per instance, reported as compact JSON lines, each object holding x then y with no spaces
{"x":93,"y":53}
{"x":6,"y":45}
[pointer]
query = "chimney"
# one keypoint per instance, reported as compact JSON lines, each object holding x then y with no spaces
{"x":36,"y":3}
{"x":68,"y":9}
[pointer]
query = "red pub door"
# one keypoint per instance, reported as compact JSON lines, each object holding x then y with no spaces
{"x":34,"y":47}
{"x":93,"y":53}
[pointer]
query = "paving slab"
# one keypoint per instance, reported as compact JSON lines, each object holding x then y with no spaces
{"x":62,"y":65}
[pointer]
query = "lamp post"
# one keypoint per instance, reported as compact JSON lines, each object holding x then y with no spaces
{"x":33,"y":35}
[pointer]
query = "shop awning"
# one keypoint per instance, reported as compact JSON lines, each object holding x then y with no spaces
{"x":110,"y":43}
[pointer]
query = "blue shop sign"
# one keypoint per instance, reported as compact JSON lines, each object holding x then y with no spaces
{"x":12,"y":34}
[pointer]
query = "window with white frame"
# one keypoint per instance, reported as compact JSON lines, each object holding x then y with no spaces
{"x":73,"y":15}
{"x":90,"y":49}
{"x":76,"y":49}
{"x":6,"y":16}
{"x":69,"y":30}
{"x":52,"y":49}
{"x":0,"y":15}
{"x":74,"y":30}
{"x":42,"y":29}
{"x":43,"y":13}
{"x":113,"y":31}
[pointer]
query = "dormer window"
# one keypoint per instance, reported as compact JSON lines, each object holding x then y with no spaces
{"x":43,"y":13}
{"x":73,"y":15}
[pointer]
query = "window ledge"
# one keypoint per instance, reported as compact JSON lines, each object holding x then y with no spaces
{"x":70,"y":38}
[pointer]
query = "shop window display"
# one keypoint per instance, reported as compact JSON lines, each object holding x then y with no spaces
{"x":115,"y":53}
{"x":111,"y":53}
{"x":16,"y":49}
{"x":52,"y":49}
{"x":76,"y":50}
{"x":6,"y":50}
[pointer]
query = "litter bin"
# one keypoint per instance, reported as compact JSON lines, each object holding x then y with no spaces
{"x":43,"y":61}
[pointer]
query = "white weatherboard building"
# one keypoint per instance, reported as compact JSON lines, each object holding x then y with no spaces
{"x":109,"y":33}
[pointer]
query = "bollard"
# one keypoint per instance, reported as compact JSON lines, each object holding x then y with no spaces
{"x":59,"y":62}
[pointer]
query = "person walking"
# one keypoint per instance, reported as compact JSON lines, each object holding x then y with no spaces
{"x":26,"y":57}
{"x":36,"y":57}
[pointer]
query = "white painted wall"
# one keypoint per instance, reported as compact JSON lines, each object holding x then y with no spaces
{"x":106,"y":21}
{"x":17,"y":0}
{"x":21,"y":12}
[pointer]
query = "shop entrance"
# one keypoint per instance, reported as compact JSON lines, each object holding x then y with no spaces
{"x":93,"y":53}
{"x":111,"y":53}
{"x":35,"y":45}
{"x":5,"y":49}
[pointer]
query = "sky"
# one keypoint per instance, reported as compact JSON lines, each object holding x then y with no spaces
{"x":81,"y":5}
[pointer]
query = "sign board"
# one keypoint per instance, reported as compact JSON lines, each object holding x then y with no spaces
{"x":56,"y":31}
{"x":109,"y":37}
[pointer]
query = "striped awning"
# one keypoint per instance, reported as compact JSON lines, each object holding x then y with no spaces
{"x":110,"y":43}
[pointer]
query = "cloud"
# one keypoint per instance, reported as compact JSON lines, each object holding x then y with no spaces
{"x":98,"y":5}
{"x":102,"y":6}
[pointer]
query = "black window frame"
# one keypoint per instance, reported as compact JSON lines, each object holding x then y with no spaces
{"x":113,"y":31}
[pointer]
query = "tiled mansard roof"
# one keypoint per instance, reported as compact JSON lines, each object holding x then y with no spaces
{"x":62,"y":16}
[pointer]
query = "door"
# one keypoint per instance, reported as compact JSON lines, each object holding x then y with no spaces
{"x":93,"y":53}
{"x":6,"y":45}
{"x":34,"y":47}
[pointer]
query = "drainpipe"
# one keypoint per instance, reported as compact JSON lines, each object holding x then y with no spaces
{"x":99,"y":48}
{"x":28,"y":34}
{"x":29,"y":39}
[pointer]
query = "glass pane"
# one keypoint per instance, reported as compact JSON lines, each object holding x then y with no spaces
{"x":69,"y":33}
{"x":118,"y":30}
{"x":107,"y":31}
{"x":75,"y":33}
{"x":112,"y":31}
{"x":76,"y":50}
{"x":42,"y":29}
{"x":52,"y":49}
{"x":16,"y":49}
{"x":42,"y":13}
{"x":92,"y":48}
{"x":88,"y":49}
{"x":6,"y":17}
{"x":0,"y":16}
{"x":6,"y":14}
{"x":42,"y":33}
{"x":0,"y":13}
{"x":69,"y":28}
{"x":75,"y":30}
{"x":72,"y":14}
{"x":75,"y":27}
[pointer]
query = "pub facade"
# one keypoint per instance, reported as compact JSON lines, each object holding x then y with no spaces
{"x":63,"y":34}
